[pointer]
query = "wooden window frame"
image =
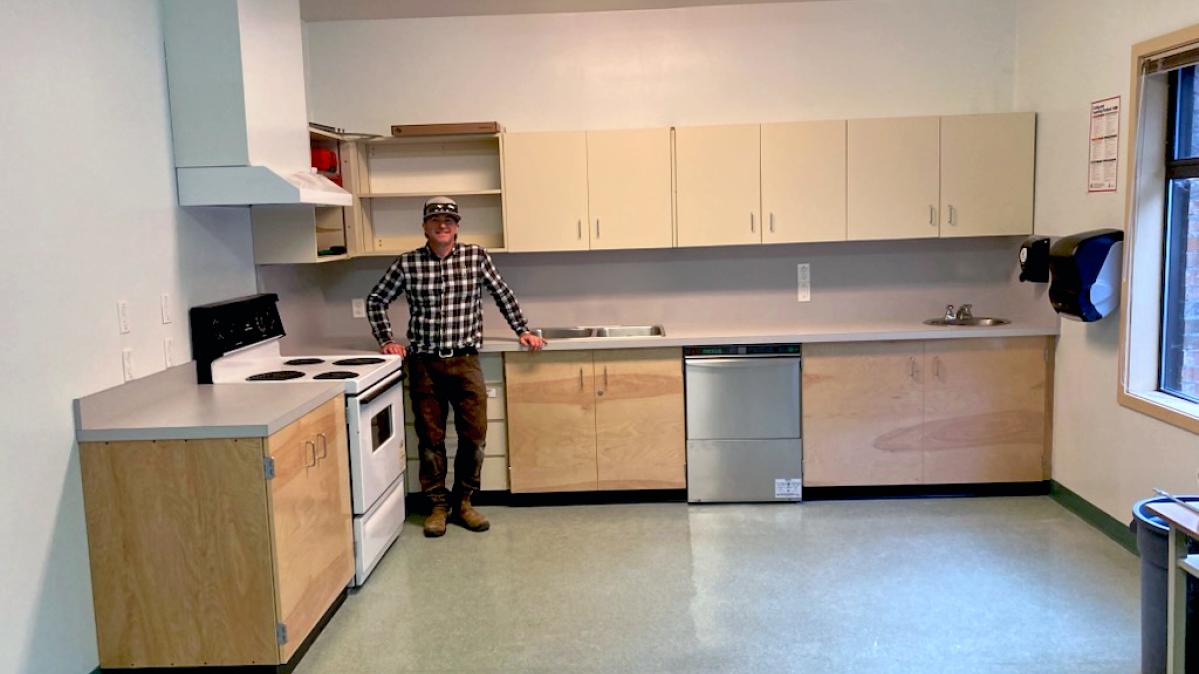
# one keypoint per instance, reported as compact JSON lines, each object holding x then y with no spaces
{"x":1138,"y":387}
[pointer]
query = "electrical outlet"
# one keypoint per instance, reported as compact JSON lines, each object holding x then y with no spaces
{"x":127,"y":363}
{"x":358,"y":307}
{"x":123,"y":316}
{"x":166,"y":309}
{"x":805,"y":282}
{"x":168,"y":347}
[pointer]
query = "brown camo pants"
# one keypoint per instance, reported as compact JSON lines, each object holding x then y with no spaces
{"x":435,"y":384}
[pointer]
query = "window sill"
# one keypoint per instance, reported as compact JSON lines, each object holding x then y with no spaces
{"x":1163,"y":406}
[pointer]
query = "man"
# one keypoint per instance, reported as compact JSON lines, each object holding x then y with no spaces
{"x":443,"y":283}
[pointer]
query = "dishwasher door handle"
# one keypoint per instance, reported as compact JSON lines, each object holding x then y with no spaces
{"x":740,"y":361}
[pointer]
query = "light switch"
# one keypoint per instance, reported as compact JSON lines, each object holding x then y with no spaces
{"x":358,"y":307}
{"x":123,"y":316}
{"x":805,"y":283}
{"x":166,"y":309}
{"x":168,"y":346}
{"x":127,"y":363}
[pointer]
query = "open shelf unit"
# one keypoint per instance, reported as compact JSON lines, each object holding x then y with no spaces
{"x":398,"y":174}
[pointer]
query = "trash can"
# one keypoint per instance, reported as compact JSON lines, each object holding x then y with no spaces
{"x":1153,"y":544}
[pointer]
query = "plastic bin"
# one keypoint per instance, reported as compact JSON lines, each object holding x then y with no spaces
{"x":1153,"y":544}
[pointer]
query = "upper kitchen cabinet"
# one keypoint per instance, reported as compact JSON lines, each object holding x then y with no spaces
{"x":803,"y":182}
{"x":394,"y":176}
{"x":628,"y":187}
{"x":894,"y":178}
{"x":987,"y":174}
{"x":235,"y":78}
{"x":545,"y":186}
{"x":718,"y":183}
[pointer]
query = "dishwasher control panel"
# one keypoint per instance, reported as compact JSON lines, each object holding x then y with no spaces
{"x":741,"y":350}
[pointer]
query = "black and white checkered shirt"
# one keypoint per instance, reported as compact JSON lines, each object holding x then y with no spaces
{"x":445,"y":299}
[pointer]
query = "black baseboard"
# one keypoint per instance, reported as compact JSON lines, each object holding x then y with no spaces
{"x":286,"y":668}
{"x":1111,"y":527}
{"x":926,"y":491}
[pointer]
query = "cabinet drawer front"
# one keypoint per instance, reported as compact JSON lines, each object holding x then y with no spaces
{"x":497,"y":440}
{"x":496,"y":403}
{"x":494,"y":476}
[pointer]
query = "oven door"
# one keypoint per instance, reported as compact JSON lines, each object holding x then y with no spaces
{"x":376,"y":428}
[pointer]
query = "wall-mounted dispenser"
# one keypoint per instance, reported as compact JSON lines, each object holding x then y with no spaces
{"x":1086,"y":274}
{"x":1034,"y":259}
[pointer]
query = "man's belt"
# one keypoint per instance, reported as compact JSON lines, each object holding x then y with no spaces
{"x":449,"y":353}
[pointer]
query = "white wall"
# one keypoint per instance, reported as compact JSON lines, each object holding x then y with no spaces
{"x":710,"y":65}
{"x":1071,"y":53}
{"x":89,"y":218}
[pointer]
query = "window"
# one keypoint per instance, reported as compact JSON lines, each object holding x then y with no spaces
{"x":1180,"y":268}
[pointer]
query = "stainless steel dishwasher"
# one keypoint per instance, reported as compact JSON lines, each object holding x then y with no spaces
{"x":743,"y":423}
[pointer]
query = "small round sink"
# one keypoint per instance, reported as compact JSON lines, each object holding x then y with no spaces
{"x":977,"y":321}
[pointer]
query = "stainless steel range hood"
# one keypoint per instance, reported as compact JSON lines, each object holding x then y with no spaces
{"x":239,"y":122}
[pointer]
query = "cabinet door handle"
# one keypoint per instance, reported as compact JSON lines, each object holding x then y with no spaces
{"x":580,"y":228}
{"x":324,"y":446}
{"x":772,"y":223}
{"x":912,"y":368}
{"x":306,"y":445}
{"x":936,"y":367}
{"x":949,"y":213}
{"x":597,"y":234}
{"x":932,"y":215}
{"x":580,"y":379}
{"x":605,"y":376}
{"x":751,"y":223}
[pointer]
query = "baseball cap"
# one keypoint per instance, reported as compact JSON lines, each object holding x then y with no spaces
{"x":441,"y":206}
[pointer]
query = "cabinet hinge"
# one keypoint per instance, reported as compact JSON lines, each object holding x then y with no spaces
{"x":281,"y":633}
{"x":268,"y":468}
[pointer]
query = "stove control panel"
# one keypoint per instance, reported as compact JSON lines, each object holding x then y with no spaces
{"x":222,"y":327}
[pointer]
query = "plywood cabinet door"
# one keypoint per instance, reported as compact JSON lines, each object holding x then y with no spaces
{"x":551,"y":421}
{"x":803,"y":181}
{"x":862,"y":412}
{"x":987,"y":174}
{"x":639,"y":426}
{"x":894,"y":178}
{"x":310,"y":517}
{"x":718,"y":183}
{"x":545,"y":191}
{"x":985,"y":410}
{"x":628,"y":187}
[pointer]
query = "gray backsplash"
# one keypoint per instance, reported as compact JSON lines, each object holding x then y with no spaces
{"x":696,"y":289}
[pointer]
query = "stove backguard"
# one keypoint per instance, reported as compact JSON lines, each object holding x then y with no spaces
{"x":222,"y":327}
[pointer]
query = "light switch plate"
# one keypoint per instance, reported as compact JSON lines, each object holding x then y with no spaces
{"x":168,"y":346}
{"x":127,"y":363}
{"x":166,"y":309}
{"x":358,"y":307}
{"x":123,"y":316}
{"x":804,"y":273}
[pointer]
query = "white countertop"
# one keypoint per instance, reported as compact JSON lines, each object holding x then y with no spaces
{"x":850,"y":332}
{"x":170,"y":405}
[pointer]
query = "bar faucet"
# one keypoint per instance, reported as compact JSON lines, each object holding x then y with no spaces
{"x":965,"y":312}
{"x":949,"y":312}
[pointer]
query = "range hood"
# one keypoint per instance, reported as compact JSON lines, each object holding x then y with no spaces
{"x":239,"y":121}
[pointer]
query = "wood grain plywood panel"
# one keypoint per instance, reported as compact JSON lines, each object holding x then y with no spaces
{"x":551,"y":421}
{"x":862,"y":413}
{"x":639,"y":419}
{"x":179,"y":542}
{"x":985,"y":410}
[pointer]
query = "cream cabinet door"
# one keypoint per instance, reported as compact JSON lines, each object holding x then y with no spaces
{"x":863,"y":408}
{"x":628,"y":187}
{"x":803,"y":181}
{"x":718,"y":183}
{"x":545,"y":191}
{"x":987,"y":174}
{"x":985,"y":410}
{"x":894,"y":178}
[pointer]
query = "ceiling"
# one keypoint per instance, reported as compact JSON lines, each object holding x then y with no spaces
{"x":344,"y":10}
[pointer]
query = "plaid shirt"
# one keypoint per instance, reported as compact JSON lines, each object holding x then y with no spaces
{"x":445,"y":303}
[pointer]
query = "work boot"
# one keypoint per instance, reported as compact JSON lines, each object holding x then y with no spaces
{"x":435,"y":522}
{"x":467,"y":516}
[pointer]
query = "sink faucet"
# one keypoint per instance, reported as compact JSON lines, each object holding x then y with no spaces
{"x":949,"y":312}
{"x":965,"y":312}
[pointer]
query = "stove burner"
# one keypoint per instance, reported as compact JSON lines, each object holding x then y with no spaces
{"x":336,"y":374}
{"x":304,"y":361}
{"x":358,"y":361}
{"x":277,"y":375}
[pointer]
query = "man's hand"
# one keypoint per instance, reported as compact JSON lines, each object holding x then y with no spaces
{"x":393,"y":349}
{"x":531,"y":341}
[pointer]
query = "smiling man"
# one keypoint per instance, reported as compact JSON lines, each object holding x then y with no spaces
{"x":443,"y":283}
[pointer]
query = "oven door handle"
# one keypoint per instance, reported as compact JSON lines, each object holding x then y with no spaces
{"x":382,"y":387}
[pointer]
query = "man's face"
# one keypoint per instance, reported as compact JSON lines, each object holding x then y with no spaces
{"x":440,"y":229}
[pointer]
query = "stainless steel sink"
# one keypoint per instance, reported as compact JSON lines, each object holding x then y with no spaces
{"x":600,"y":331}
{"x":630,"y":331}
{"x":564,"y":333}
{"x":978,"y":321}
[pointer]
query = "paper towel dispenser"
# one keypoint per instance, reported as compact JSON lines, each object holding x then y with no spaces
{"x":1086,"y":274}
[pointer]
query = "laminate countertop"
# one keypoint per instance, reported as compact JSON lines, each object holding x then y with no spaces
{"x":850,"y":332}
{"x":170,"y":405}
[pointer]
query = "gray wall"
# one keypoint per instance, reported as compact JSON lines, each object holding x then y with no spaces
{"x":697,"y":289}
